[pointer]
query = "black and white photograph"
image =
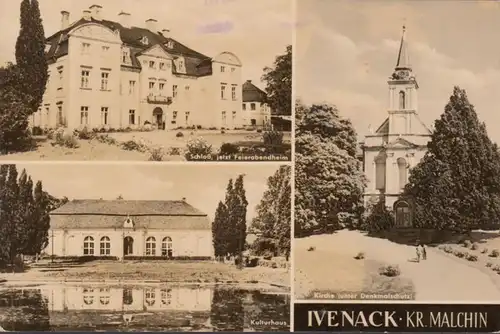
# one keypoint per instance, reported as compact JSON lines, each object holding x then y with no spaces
{"x":397,"y":168}
{"x":149,"y":80}
{"x":151,"y":247}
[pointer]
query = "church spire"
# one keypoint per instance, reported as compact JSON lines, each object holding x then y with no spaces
{"x":403,"y":57}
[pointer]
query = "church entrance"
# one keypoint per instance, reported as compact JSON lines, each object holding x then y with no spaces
{"x":403,"y":213}
{"x":158,"y":117}
{"x":128,"y":246}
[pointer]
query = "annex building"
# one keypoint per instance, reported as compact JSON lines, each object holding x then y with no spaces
{"x":256,"y":112}
{"x":121,"y":228}
{"x":107,"y":74}
{"x":399,"y":143}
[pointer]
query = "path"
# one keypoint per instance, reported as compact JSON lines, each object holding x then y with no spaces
{"x":439,"y":278}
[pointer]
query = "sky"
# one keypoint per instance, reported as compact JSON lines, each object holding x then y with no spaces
{"x":346,"y":50}
{"x":256,"y":31}
{"x":203,"y":185}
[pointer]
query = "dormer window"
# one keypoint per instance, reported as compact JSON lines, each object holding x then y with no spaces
{"x":180,"y":65}
{"x":144,"y":40}
{"x":128,"y":223}
{"x":170,"y":44}
{"x":47,"y":47}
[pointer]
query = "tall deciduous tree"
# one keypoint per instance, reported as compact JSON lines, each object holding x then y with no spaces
{"x":30,"y":53}
{"x":278,"y":81}
{"x":40,"y":220}
{"x":456,"y":186}
{"x":239,"y":214}
{"x":328,"y":176}
{"x":272,"y":224}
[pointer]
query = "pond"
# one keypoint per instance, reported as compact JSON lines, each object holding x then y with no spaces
{"x":142,"y":308}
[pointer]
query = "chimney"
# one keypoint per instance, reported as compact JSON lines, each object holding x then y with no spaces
{"x":64,"y":19}
{"x":184,"y":199}
{"x":165,"y":33}
{"x":86,"y":15}
{"x":96,"y":12}
{"x":249,"y":81}
{"x":151,"y":25}
{"x":124,"y":19}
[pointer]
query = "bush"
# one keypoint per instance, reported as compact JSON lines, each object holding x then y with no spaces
{"x":85,"y":134}
{"x":459,"y":254}
{"x":179,"y":134}
{"x":489,"y":265}
{"x":471,"y":257}
{"x":467,"y":244}
{"x":174,"y":151}
{"x":390,"y":271}
{"x":198,"y":146}
{"x":494,"y":253}
{"x":259,"y":130}
{"x":495,"y":268}
{"x":474,"y":246}
{"x":131,"y":145}
{"x":228,"y":148}
{"x":380,"y":218}
{"x":66,"y":139}
{"x":448,"y":249}
{"x":360,"y":256}
{"x":166,"y":258}
{"x":37,"y":131}
{"x":484,"y":251}
{"x":156,"y":154}
{"x":310,"y":249}
{"x":273,"y":138}
{"x":106,"y":139}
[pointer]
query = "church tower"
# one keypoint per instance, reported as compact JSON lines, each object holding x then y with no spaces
{"x":403,"y":89}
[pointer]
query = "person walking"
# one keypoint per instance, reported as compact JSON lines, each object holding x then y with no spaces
{"x":418,"y":253}
{"x":424,"y":252}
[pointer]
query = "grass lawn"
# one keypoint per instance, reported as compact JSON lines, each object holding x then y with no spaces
{"x":179,"y":272}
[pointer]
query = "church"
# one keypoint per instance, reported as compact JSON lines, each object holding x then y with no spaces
{"x":399,"y":143}
{"x":124,"y":229}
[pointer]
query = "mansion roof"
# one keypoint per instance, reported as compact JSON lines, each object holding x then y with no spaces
{"x":196,"y":64}
{"x":252,"y":93}
{"x":88,"y":214}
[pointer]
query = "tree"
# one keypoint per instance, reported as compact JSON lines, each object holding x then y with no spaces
{"x":30,"y":54}
{"x":239,"y":215}
{"x":279,"y":83}
{"x":456,"y":186}
{"x":328,"y":177}
{"x":25,"y":205}
{"x":272,"y":224}
{"x":219,"y":230}
{"x":40,"y":220}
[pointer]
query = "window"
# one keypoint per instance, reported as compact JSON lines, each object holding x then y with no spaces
{"x":252,"y":106}
{"x":162,"y":66}
{"x":180,"y":66}
{"x":128,"y":297}
{"x":402,"y":100}
{"x":131,"y":117}
{"x":174,"y":90}
{"x":104,"y":80}
{"x":85,"y":48}
{"x":144,"y":40}
{"x":84,"y":115}
{"x":223,"y":91}
{"x":152,"y":64}
{"x":166,"y":247}
{"x":380,"y":173}
{"x":85,"y":79}
{"x":105,"y":49}
{"x":234,"y":116}
{"x":166,"y":296}
{"x":151,"y":85}
{"x":233,"y":93}
{"x":224,"y":121}
{"x":88,"y":246}
{"x":244,"y":106}
{"x":403,"y":214}
{"x":233,"y":69}
{"x":187,"y":117}
{"x":223,"y":69}
{"x":162,"y":86}
{"x":125,"y":57}
{"x":131,"y":87}
{"x":403,"y":172}
{"x":104,"y":115}
{"x":186,"y":88}
{"x":150,"y":297}
{"x":151,"y":246}
{"x":60,"y":78}
{"x":60,"y":119}
{"x":105,"y":246}
{"x":88,"y":298}
{"x":174,"y":117}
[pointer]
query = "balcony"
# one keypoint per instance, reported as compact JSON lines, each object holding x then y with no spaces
{"x":159,"y":99}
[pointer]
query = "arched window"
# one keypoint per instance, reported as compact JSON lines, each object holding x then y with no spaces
{"x":128,"y":297}
{"x":403,"y":214}
{"x":88,"y":246}
{"x":166,"y":247}
{"x":128,"y":246}
{"x":380,"y":173}
{"x":402,"y":100}
{"x":104,"y":296}
{"x":105,"y":246}
{"x":166,"y":296}
{"x":88,"y":297}
{"x":151,"y":246}
{"x":402,"y":172}
{"x":150,"y":297}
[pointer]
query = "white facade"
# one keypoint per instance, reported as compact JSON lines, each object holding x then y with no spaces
{"x":256,"y":114}
{"x":400,"y":142}
{"x":104,"y":81}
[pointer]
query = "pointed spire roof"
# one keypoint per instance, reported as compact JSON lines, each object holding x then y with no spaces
{"x":403,"y":56}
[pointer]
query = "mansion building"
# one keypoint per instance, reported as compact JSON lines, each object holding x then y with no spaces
{"x":399,"y":143}
{"x":126,"y":228}
{"x":106,"y":74}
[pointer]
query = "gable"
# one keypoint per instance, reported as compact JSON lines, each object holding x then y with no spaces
{"x":96,"y":32}
{"x":400,"y":143}
{"x":228,"y":58}
{"x":156,"y":51}
{"x":383,"y":129}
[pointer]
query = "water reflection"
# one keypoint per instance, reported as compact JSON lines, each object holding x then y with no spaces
{"x":142,"y":309}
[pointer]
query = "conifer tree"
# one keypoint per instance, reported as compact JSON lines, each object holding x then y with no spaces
{"x":239,"y":217}
{"x":456,"y":186}
{"x":219,"y":230}
{"x":41,"y":220}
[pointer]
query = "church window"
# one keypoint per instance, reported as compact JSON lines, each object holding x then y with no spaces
{"x":402,"y":100}
{"x":166,"y":247}
{"x":151,"y":246}
{"x":380,"y":174}
{"x":105,"y":246}
{"x":402,"y":172}
{"x":88,"y":246}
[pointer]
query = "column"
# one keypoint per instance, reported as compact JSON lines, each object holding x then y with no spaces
{"x":390,"y":167}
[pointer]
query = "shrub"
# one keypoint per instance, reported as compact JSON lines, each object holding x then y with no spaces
{"x":156,"y":154}
{"x":474,"y":246}
{"x":66,"y":139}
{"x":259,"y":130}
{"x":390,"y":271}
{"x":106,"y":139}
{"x":379,"y":219}
{"x":131,"y":145}
{"x":179,"y":134}
{"x":360,"y":256}
{"x":229,"y":148}
{"x":165,"y":258}
{"x":484,"y":251}
{"x":459,"y":254}
{"x":198,"y":146}
{"x":310,"y":249}
{"x":467,"y":244}
{"x":222,"y":131}
{"x":471,"y":257}
{"x":489,"y":265}
{"x":495,"y":268}
{"x":273,"y":138}
{"x":37,"y":131}
{"x":174,"y":151}
{"x":448,"y":249}
{"x":494,"y":253}
{"x":85,"y":134}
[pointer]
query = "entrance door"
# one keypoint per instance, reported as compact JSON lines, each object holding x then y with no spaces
{"x":158,"y":116}
{"x":128,"y":246}
{"x":403,"y":214}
